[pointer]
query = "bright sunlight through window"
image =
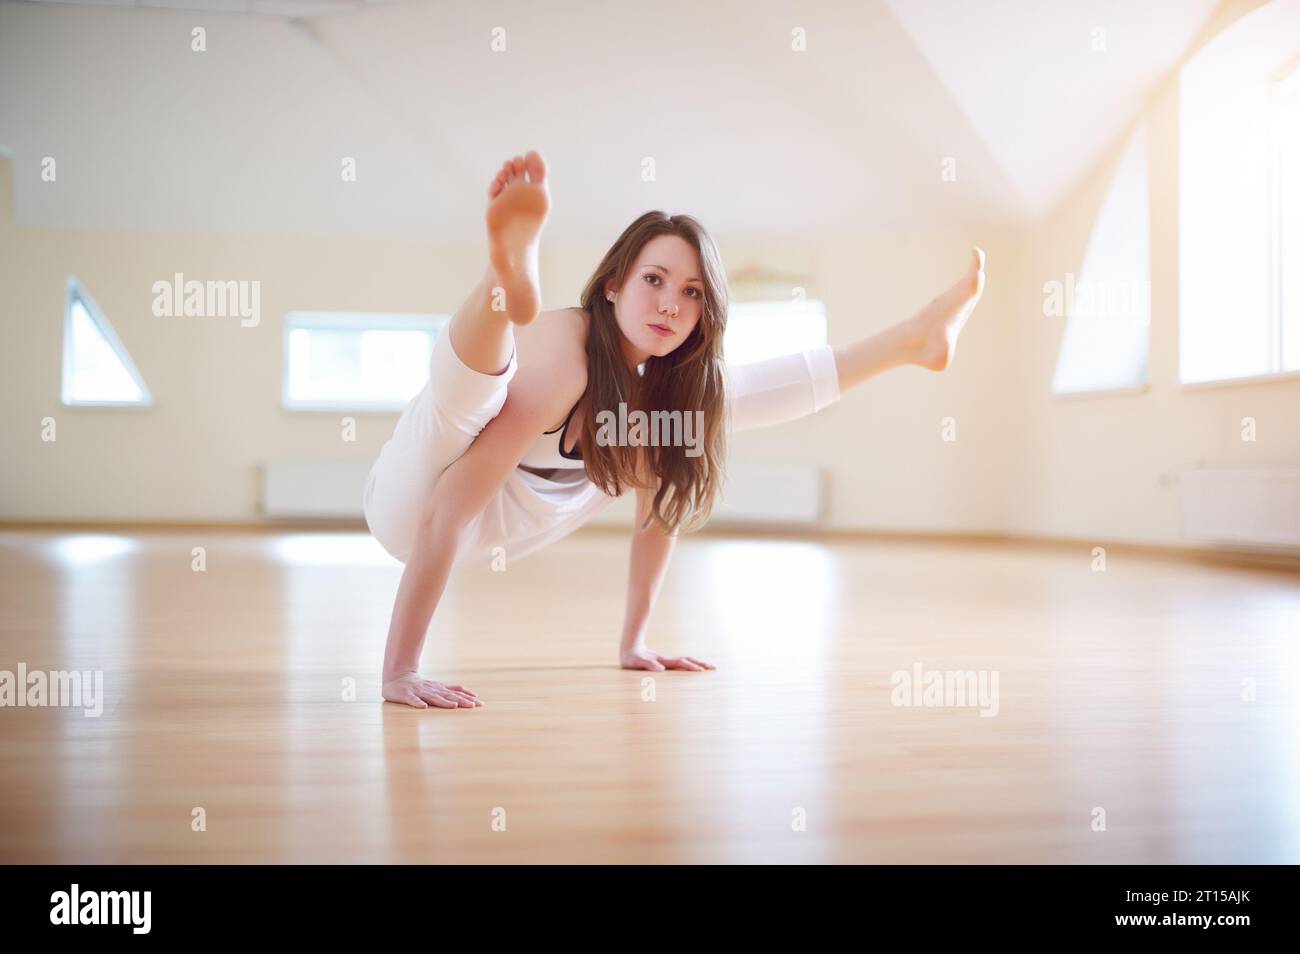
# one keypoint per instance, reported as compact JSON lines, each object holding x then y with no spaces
{"x":97,"y":370}
{"x":357,"y":361}
{"x":1239,"y":203}
{"x":1107,"y":337}
{"x":768,"y":329}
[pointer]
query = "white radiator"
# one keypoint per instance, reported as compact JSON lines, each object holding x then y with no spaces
{"x":770,"y":493}
{"x":788,"y":494}
{"x":1247,"y":507}
{"x":754,"y":495}
{"x":313,"y":487}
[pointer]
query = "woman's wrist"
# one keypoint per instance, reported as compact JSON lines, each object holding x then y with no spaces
{"x":633,"y":639}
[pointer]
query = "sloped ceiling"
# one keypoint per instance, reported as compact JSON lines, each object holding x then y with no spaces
{"x":754,"y":138}
{"x":1049,"y":86}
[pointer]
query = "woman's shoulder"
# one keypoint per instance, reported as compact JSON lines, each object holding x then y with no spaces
{"x":552,"y":351}
{"x":573,"y":321}
{"x":556,"y":339}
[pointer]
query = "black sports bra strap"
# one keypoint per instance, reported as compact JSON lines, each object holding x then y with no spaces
{"x":566,"y":419}
{"x":577,"y":454}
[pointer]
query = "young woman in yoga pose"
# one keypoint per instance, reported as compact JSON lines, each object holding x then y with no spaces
{"x":478,"y":470}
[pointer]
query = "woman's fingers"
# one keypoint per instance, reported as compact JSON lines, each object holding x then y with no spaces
{"x":427,"y":692}
{"x":433,"y":698}
{"x":689,"y":663}
{"x":462,"y":696}
{"x":423,"y":700}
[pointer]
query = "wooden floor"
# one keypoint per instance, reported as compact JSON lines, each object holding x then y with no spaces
{"x":1125,"y":691}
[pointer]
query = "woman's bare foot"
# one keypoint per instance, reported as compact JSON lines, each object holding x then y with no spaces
{"x":520,"y":203}
{"x":936,"y":326}
{"x":409,"y":689}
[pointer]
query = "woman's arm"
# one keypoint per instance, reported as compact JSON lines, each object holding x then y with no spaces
{"x":459,"y":495}
{"x":651,"y":550}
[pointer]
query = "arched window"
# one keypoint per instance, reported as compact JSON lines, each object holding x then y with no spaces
{"x":1107,"y":306}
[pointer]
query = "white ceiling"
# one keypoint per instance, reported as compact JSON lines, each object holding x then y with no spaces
{"x":756,"y":140}
{"x":1027,"y":76}
{"x":267,"y":8}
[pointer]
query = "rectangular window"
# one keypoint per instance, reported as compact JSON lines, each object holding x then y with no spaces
{"x":1239,"y":207}
{"x":1286,"y":202}
{"x":356,"y":361}
{"x":768,"y":329}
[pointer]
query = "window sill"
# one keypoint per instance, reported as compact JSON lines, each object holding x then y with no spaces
{"x":1214,"y":383}
{"x":324,"y":408}
{"x":1100,"y":392}
{"x":110,"y":405}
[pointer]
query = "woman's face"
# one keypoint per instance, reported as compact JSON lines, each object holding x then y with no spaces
{"x":662,"y":299}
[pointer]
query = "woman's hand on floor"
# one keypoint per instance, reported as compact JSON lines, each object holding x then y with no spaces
{"x":410,"y":689}
{"x":657,"y":662}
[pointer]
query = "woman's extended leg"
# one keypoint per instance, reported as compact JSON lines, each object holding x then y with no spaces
{"x":927,"y":339}
{"x":792,"y":386}
{"x":509,"y":289}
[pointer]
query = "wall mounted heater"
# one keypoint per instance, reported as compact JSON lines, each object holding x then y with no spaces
{"x":755,"y":494}
{"x":1254,"y":508}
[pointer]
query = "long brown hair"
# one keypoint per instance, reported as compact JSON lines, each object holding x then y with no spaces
{"x":691,"y":378}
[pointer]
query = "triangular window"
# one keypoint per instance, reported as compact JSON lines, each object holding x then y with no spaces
{"x":96,"y":366}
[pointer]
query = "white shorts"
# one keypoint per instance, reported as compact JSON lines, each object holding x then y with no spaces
{"x":436,"y":427}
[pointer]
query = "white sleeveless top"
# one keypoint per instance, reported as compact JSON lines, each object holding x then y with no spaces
{"x":533,"y":509}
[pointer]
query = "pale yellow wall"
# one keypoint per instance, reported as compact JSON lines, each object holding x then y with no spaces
{"x":194,"y":455}
{"x":216,"y":385}
{"x":1098,"y":468}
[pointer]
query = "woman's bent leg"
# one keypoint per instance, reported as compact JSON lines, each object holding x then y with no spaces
{"x":473,"y":361}
{"x":436,"y":427}
{"x":509,"y":292}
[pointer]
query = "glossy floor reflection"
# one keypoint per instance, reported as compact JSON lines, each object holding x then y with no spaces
{"x":1160,"y":698}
